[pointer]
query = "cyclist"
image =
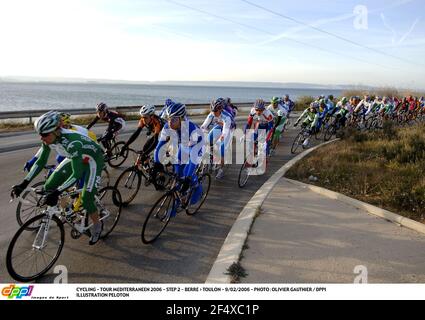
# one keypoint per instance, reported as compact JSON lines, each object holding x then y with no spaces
{"x":154,"y":125}
{"x":190,"y":139}
{"x":344,"y":109}
{"x":263,"y":120}
{"x":310,"y":119}
{"x":116,"y":123}
{"x":330,"y":105}
{"x":362,"y":107}
{"x":280,"y":115}
{"x":222,"y":131}
{"x":84,"y":157}
{"x":65,"y":122}
{"x":288,"y":103}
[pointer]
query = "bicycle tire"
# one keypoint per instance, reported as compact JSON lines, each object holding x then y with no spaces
{"x":242,"y":183}
{"x":204,"y":176}
{"x":19,"y":208}
{"x":9,"y":263}
{"x":296,"y":143}
{"x":116,"y":201}
{"x":129,"y":175}
{"x":165,"y":218}
{"x":115,"y":151}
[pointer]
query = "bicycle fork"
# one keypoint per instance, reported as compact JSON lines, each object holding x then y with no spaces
{"x":41,"y":237}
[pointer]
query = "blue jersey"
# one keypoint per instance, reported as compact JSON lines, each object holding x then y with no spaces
{"x":187,"y":138}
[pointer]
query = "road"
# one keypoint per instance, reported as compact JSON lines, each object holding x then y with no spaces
{"x":185,"y":251}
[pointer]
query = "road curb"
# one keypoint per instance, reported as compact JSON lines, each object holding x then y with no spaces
{"x":379,"y":212}
{"x":233,"y":245}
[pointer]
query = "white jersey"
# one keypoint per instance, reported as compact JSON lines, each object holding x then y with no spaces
{"x":279,"y":111}
{"x":263,"y":118}
{"x":224,"y":120}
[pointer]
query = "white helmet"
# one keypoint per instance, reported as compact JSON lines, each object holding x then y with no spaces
{"x":47,"y":123}
{"x":147,"y":110}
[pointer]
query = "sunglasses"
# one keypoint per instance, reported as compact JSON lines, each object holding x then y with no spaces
{"x":44,"y":135}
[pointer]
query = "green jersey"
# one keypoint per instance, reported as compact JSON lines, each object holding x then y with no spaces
{"x":76,"y":147}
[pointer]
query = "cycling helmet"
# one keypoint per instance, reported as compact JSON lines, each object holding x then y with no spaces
{"x":101,"y":107}
{"x":147,"y":110}
{"x":331,"y":97}
{"x":344,"y":100}
{"x":259,"y":105}
{"x":286,"y":96}
{"x":47,"y":123}
{"x":228,"y":100}
{"x":176,"y":110}
{"x":65,"y":118}
{"x":274,"y":100}
{"x":314,"y":105}
{"x":217,"y":105}
{"x":168,"y":102}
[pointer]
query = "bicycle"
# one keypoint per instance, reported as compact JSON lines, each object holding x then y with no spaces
{"x":28,"y":201}
{"x":167,"y":206}
{"x":333,"y":128}
{"x":247,"y":167}
{"x":43,"y":236}
{"x":300,"y":139}
{"x":130,"y":180}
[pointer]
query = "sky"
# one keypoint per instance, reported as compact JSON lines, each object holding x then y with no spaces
{"x":368,"y":42}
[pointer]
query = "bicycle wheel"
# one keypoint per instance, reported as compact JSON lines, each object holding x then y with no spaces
{"x":243,"y":175}
{"x":128,"y":184}
{"x":28,"y":206}
{"x":329,"y":133}
{"x":319,"y":134}
{"x":109,"y":205}
{"x":158,"y":218}
{"x":116,"y":159}
{"x":205,"y":181}
{"x":32,"y":253}
{"x":106,"y":178}
{"x":298,"y":141}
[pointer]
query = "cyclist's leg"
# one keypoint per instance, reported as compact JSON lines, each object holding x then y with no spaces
{"x":92,"y":178}
{"x":213,"y":136}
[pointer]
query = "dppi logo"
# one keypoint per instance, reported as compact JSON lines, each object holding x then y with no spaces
{"x":13,"y":291}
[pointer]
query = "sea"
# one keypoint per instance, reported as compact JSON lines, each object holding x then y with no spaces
{"x":17,"y":96}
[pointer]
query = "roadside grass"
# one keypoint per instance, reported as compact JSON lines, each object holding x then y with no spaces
{"x":384,"y":169}
{"x":303,"y":103}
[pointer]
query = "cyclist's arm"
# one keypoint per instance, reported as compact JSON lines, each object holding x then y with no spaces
{"x":207,"y":122}
{"x":41,"y":162}
{"x":249,"y":122}
{"x":163,"y":139}
{"x":226,"y":126}
{"x":133,"y":137}
{"x":301,"y":116}
{"x":91,"y":124}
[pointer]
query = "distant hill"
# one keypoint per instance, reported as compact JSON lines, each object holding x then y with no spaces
{"x":287,"y":85}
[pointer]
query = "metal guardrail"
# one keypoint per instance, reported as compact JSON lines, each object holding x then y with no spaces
{"x":30,"y":114}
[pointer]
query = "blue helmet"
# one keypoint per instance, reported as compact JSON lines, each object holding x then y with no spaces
{"x":168,"y":102}
{"x":259,"y":104}
{"x":176,"y":110}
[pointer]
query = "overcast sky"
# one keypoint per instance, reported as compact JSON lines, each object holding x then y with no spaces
{"x":220,"y":40}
